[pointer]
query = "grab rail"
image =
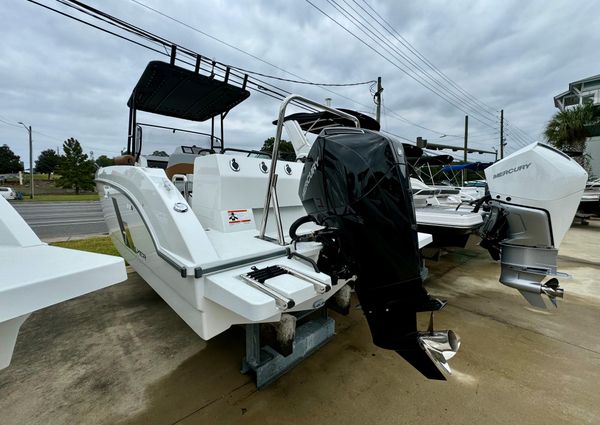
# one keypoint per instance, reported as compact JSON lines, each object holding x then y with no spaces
{"x":160,"y":250}
{"x":271,"y":186}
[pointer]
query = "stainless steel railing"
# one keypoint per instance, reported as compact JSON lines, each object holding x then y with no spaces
{"x":272,"y":184}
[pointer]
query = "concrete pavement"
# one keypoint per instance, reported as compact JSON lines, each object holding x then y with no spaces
{"x":51,"y":220}
{"x":121,"y":356}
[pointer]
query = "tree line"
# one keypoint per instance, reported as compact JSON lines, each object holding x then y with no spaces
{"x":74,"y":168}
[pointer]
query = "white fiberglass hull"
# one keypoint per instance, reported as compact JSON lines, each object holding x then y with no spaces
{"x":194,"y":257}
{"x":35,"y":275}
{"x":197,"y":269}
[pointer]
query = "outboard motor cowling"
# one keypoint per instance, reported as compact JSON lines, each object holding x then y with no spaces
{"x":355,"y":183}
{"x":534,"y":197}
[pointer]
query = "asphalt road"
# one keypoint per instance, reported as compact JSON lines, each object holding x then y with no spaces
{"x":51,"y":220}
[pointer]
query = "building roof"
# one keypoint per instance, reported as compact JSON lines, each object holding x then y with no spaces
{"x":558,"y":99}
{"x":585,"y":80}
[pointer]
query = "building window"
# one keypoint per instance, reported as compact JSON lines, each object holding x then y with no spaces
{"x":571,"y":100}
{"x":587,"y":99}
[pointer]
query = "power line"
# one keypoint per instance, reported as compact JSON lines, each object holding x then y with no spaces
{"x":304,"y":80}
{"x":309,"y":83}
{"x":34,"y":131}
{"x":429,"y":82}
{"x":259,"y":85}
{"x":455,"y":94}
{"x":518,"y":130}
{"x":450,"y":101}
{"x":263,"y":87}
{"x":403,"y":119}
{"x":398,"y":136}
{"x":479,"y":108}
{"x":418,"y":54}
{"x":9,"y":123}
{"x":301,"y":81}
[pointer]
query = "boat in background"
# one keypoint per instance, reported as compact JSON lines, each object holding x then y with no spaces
{"x":590,"y":201}
{"x":446,"y":217}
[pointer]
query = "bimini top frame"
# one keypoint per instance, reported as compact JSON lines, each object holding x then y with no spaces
{"x":314,"y":122}
{"x":272,"y":184}
{"x":169,"y":90}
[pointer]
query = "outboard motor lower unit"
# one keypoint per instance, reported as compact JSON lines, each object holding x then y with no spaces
{"x":534,"y":196}
{"x":355,"y":184}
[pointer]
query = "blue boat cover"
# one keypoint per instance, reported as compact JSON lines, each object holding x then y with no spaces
{"x":473,"y":166}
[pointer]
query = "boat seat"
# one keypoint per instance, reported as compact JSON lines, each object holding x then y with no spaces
{"x":124,"y":160}
{"x":181,"y":168}
{"x":232,"y":184}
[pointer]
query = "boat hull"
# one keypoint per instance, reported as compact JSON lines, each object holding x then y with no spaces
{"x":175,"y":255}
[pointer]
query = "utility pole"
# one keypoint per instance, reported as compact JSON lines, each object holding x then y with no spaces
{"x":466,"y":144}
{"x":30,"y":158}
{"x":502,"y":134}
{"x":378,"y":100}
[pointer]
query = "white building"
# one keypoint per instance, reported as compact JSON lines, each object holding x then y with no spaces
{"x":582,"y":92}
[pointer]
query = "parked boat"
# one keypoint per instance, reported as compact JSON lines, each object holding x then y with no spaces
{"x":211,"y":251}
{"x":590,"y":200}
{"x":444,"y":216}
{"x":247,"y":240}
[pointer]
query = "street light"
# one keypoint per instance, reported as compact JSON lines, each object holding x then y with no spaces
{"x":30,"y":158}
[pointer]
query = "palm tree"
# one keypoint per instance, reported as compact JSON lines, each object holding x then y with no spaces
{"x":566,"y":130}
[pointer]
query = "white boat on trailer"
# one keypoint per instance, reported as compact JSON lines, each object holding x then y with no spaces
{"x":219,"y":254}
{"x":213,"y":256}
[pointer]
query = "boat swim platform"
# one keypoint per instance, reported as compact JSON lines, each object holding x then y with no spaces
{"x":122,"y":356}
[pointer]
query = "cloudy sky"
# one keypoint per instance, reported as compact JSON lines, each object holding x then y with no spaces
{"x":68,"y":80}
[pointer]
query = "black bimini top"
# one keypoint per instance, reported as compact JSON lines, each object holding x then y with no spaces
{"x":435,"y":160}
{"x":314,"y":122}
{"x":412,"y":153}
{"x":173,"y":91}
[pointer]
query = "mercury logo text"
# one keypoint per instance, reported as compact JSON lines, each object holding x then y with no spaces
{"x":512,"y":170}
{"x":310,"y":175}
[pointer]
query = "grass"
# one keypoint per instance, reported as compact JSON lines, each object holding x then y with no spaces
{"x":63,"y":197}
{"x":100,"y":245}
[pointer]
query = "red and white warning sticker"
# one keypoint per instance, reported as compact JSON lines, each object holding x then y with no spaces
{"x":239,"y":216}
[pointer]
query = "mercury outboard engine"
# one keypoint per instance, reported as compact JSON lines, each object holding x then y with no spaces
{"x":355,"y":183}
{"x":534,"y":196}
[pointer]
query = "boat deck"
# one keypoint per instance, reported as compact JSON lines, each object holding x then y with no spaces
{"x":122,"y":356}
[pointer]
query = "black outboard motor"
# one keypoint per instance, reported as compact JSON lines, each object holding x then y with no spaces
{"x":355,"y":183}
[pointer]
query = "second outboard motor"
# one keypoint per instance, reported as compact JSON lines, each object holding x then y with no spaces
{"x":534,"y":197}
{"x":355,"y":183}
